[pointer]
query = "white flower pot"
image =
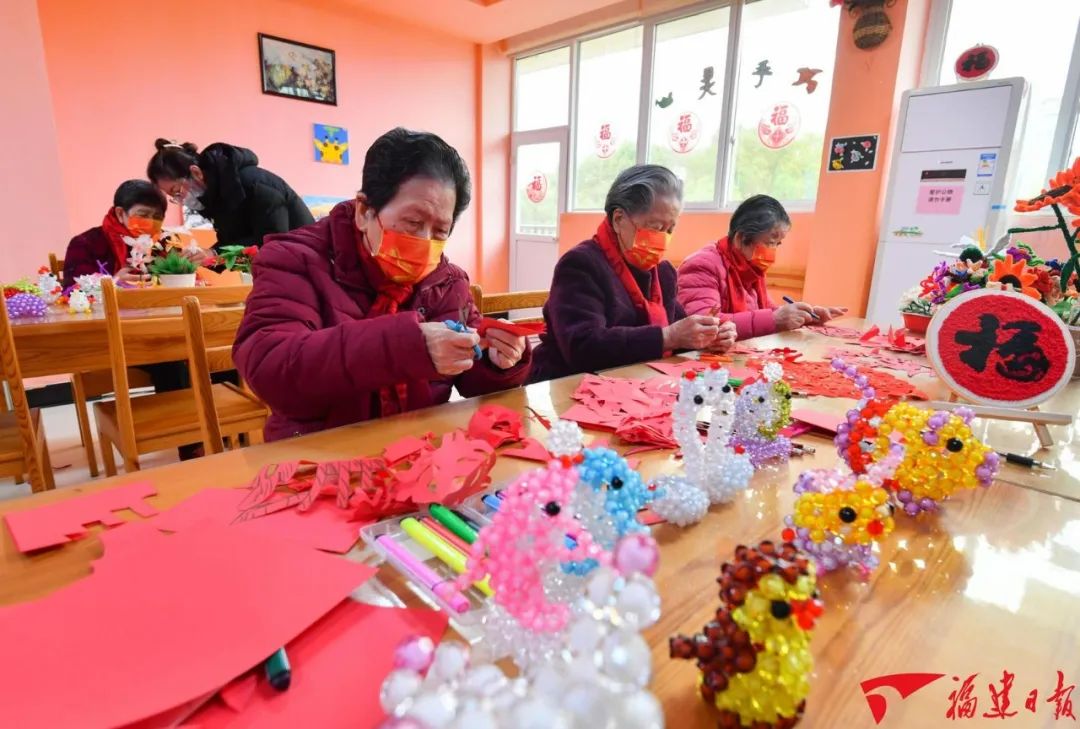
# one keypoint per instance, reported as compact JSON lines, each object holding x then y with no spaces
{"x":245,"y":278}
{"x":177,"y":280}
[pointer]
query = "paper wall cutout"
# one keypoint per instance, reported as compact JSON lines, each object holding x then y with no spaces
{"x":323,"y":526}
{"x":338,"y":667}
{"x":497,"y":425}
{"x":518,"y":329}
{"x":64,"y":521}
{"x":162,"y":620}
{"x":529,"y":449}
{"x":806,"y":76}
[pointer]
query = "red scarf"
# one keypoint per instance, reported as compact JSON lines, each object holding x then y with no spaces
{"x":653,"y":309}
{"x":388,"y":297}
{"x":115,"y":232}
{"x":741,"y":279}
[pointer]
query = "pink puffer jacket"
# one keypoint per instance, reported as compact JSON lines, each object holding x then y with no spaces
{"x":703,"y":284}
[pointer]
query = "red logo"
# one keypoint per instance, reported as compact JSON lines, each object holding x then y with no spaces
{"x":537,"y":188}
{"x":905,"y":684}
{"x":605,"y":141}
{"x":779,"y":125}
{"x":976,"y":62}
{"x":685,"y":132}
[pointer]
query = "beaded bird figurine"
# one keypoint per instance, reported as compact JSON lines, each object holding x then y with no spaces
{"x":755,"y":657}
{"x":941,"y":453}
{"x":839,"y":516}
{"x":526,"y":538}
{"x":762,"y":410}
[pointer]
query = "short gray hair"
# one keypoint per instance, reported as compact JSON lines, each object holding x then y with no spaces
{"x":637,"y":187}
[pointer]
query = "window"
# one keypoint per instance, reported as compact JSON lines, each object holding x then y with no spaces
{"x":665,"y":91}
{"x":1036,"y":42}
{"x":606,"y":128}
{"x":774,"y":38}
{"x":542,"y":90}
{"x":688,"y":105}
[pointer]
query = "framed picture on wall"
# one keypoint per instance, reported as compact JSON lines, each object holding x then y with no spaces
{"x":297,"y":70}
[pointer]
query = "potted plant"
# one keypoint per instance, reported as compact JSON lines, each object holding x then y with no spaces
{"x":174,"y":270}
{"x":916,"y":313}
{"x":237,"y":258}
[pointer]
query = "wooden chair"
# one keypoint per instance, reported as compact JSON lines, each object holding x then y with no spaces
{"x":23,"y":450}
{"x":86,"y":385}
{"x":510,"y":301}
{"x":202,"y":361}
{"x":168,"y":420}
{"x":56,"y":265}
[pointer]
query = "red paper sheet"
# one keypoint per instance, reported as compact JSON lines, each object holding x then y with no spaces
{"x":827,"y":422}
{"x":324,"y":526}
{"x":529,"y":449}
{"x":819,"y":378}
{"x":676,"y":369}
{"x":161,"y":621}
{"x":64,"y":521}
{"x":338,"y":666}
{"x":517,"y":329}
{"x":497,"y":425}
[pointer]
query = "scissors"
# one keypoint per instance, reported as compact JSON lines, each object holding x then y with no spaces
{"x":462,"y":327}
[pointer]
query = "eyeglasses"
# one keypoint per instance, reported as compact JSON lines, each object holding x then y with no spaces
{"x":177,"y":192}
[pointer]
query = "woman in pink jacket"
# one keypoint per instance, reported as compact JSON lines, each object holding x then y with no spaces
{"x":728,"y":276}
{"x":347,"y":318}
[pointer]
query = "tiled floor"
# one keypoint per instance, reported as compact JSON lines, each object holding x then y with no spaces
{"x":68,"y":457}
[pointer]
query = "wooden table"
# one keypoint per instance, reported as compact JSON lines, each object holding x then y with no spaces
{"x":991,"y":584}
{"x":61,"y":343}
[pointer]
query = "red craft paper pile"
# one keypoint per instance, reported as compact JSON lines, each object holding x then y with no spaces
{"x":829,"y":330}
{"x":897,"y":340}
{"x":819,"y":378}
{"x":519,"y":329}
{"x":411,"y":473}
{"x":161,"y":621}
{"x":639,"y":411}
{"x":64,"y":521}
{"x":338,"y":666}
{"x":677,"y":369}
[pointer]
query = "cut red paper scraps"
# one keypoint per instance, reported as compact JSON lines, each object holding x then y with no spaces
{"x":829,"y":330}
{"x":161,"y":620}
{"x":497,"y":425}
{"x":678,"y":369}
{"x":338,"y":666}
{"x":654,"y":431}
{"x":529,"y":449}
{"x":518,"y":329}
{"x":819,"y":378}
{"x":873,"y":358}
{"x":64,"y":521}
{"x":324,"y":526}
{"x":407,"y":447}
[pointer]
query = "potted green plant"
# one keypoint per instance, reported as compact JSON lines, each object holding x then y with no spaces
{"x":917,"y":313}
{"x":237,"y":258}
{"x":174,"y":270}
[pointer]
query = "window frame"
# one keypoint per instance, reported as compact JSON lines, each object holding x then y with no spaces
{"x":726,"y":146}
{"x":1061,"y":156}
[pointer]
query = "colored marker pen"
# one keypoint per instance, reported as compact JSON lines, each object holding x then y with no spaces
{"x":790,"y":300}
{"x":472,"y":524}
{"x":442,"y":550}
{"x":423,"y":574}
{"x":445,"y":534}
{"x":453,"y":522}
{"x":278,"y":670}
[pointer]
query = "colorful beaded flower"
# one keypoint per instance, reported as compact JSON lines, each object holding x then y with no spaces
{"x":839,"y":516}
{"x":526,"y":538}
{"x":941,"y":453}
{"x":755,"y":657}
{"x":762,"y":410}
{"x":26,"y":306}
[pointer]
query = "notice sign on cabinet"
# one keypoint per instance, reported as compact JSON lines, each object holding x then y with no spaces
{"x":941,"y":192}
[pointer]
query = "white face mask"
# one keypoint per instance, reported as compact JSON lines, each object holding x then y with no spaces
{"x":195,"y":190}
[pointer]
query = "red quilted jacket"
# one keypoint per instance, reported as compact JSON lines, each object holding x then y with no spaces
{"x":307,"y":349}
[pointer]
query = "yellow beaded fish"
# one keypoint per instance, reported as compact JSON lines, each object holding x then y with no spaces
{"x":755,"y":656}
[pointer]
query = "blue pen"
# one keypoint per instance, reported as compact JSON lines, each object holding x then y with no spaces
{"x":790,"y":300}
{"x":494,"y":503}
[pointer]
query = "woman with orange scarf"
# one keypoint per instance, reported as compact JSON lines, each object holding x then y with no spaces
{"x":347,"y":320}
{"x":612,"y":297}
{"x":728,"y":276}
{"x":138,"y":209}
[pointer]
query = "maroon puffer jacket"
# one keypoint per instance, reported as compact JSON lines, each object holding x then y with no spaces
{"x":308,"y":351}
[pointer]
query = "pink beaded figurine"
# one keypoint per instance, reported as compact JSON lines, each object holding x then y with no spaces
{"x":838,"y":515}
{"x":526,"y":539}
{"x":762,"y":410}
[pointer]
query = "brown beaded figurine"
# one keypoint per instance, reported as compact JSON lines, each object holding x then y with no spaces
{"x":755,"y":656}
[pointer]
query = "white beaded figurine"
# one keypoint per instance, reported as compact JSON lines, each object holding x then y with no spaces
{"x":762,"y":410}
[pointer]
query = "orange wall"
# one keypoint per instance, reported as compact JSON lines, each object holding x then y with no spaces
{"x":123,"y":72}
{"x":32,"y":212}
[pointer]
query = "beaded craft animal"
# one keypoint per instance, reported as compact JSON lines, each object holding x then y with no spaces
{"x":755,"y":656}
{"x":762,"y":410}
{"x":941,"y":453}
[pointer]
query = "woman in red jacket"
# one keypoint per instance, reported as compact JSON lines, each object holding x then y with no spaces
{"x":346,"y":321}
{"x":728,"y":276}
{"x":138,"y":209}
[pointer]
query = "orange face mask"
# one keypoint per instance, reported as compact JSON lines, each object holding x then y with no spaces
{"x":648,"y":248}
{"x":144,"y":226}
{"x":764,"y":257}
{"x":407,"y":259}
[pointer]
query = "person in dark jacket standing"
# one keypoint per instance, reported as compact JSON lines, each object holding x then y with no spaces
{"x":225,"y":184}
{"x":138,"y":208}
{"x":347,"y":319}
{"x":612,"y":297}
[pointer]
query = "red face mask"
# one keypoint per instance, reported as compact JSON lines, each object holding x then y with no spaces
{"x":407,"y":259}
{"x":648,"y":248}
{"x":764,"y":257}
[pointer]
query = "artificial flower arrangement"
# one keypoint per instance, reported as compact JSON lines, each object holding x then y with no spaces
{"x":1017,"y":268}
{"x":234,"y":258}
{"x":172,"y":263}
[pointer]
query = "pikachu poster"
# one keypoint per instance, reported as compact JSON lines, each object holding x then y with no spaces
{"x":331,"y":144}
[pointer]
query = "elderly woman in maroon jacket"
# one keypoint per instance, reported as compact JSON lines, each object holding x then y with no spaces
{"x":612,"y":298}
{"x":346,"y":321}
